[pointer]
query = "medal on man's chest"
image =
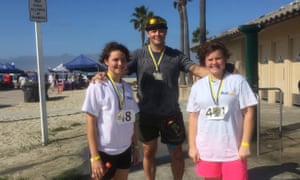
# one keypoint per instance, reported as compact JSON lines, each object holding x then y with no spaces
{"x":157,"y":76}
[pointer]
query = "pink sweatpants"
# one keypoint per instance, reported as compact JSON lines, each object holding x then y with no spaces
{"x":232,"y":170}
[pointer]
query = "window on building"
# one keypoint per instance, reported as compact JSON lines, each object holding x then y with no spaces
{"x":298,"y":57}
{"x":264,"y":60}
{"x":280,"y":59}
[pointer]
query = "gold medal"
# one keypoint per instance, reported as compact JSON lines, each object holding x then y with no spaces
{"x":120,"y":115}
{"x":157,"y":76}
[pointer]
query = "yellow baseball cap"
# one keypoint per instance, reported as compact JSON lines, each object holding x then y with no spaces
{"x":156,"y":22}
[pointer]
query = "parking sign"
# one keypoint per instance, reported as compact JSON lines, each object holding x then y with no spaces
{"x":38,"y":10}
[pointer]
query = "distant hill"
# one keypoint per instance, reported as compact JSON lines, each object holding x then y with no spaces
{"x":29,"y":63}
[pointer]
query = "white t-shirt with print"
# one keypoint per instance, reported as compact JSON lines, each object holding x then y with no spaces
{"x":102,"y":102}
{"x":219,"y":139}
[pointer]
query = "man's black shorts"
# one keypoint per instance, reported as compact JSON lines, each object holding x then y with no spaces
{"x":170,"y":128}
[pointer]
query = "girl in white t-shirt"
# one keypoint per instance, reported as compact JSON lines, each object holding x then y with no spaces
{"x":221,"y":119}
{"x":110,"y":114}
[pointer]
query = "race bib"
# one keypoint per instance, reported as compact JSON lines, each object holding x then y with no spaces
{"x":216,"y":112}
{"x":126,"y":116}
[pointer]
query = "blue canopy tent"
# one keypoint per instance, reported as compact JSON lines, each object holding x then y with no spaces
{"x":83,"y":63}
{"x":8,"y":68}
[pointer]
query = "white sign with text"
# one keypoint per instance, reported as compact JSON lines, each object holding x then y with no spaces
{"x":38,"y":10}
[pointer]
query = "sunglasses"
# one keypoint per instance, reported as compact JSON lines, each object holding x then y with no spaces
{"x":154,"y":21}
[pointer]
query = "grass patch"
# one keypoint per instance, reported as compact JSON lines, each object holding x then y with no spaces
{"x":71,"y":174}
{"x":28,"y":147}
{"x":22,"y":178}
{"x":75,"y":124}
{"x":59,"y":129}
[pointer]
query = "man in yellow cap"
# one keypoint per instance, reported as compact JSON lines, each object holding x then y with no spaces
{"x":158,"y":67}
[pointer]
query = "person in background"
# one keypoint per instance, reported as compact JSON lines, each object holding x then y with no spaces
{"x":221,"y":118}
{"x":35,"y":77}
{"x":73,"y":81}
{"x":80,"y":80}
{"x":51,"y":81}
{"x":23,"y":79}
{"x":7,"y":80}
{"x":110,"y":110}
{"x":56,"y":80}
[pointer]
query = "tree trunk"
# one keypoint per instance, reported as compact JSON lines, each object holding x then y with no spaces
{"x":182,"y":80}
{"x":186,"y":40}
{"x":143,"y":38}
{"x":202,"y":21}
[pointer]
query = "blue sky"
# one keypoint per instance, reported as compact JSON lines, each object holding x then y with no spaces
{"x":84,"y":26}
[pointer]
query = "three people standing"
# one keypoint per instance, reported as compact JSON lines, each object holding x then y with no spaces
{"x":158,"y":67}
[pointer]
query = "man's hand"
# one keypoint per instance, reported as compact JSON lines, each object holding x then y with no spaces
{"x":99,"y":77}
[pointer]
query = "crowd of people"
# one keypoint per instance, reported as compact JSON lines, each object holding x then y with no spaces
{"x":70,"y":81}
{"x":12,"y":80}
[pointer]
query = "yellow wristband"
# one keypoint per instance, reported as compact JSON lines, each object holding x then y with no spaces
{"x":136,"y":146}
{"x":245,"y":144}
{"x":96,"y":158}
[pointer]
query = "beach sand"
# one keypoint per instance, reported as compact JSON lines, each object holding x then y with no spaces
{"x":22,"y":153}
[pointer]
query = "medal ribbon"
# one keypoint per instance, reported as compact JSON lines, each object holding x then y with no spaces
{"x":214,"y":96}
{"x":153,"y":58}
{"x":120,"y":97}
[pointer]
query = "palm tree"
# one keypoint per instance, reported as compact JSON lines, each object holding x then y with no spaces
{"x":141,"y":15}
{"x":177,"y":5}
{"x":196,"y":36}
{"x":184,"y":36}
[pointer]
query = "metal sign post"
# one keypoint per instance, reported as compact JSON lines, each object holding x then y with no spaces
{"x":38,"y":13}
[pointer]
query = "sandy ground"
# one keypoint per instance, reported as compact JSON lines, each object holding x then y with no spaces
{"x":22,"y":153}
